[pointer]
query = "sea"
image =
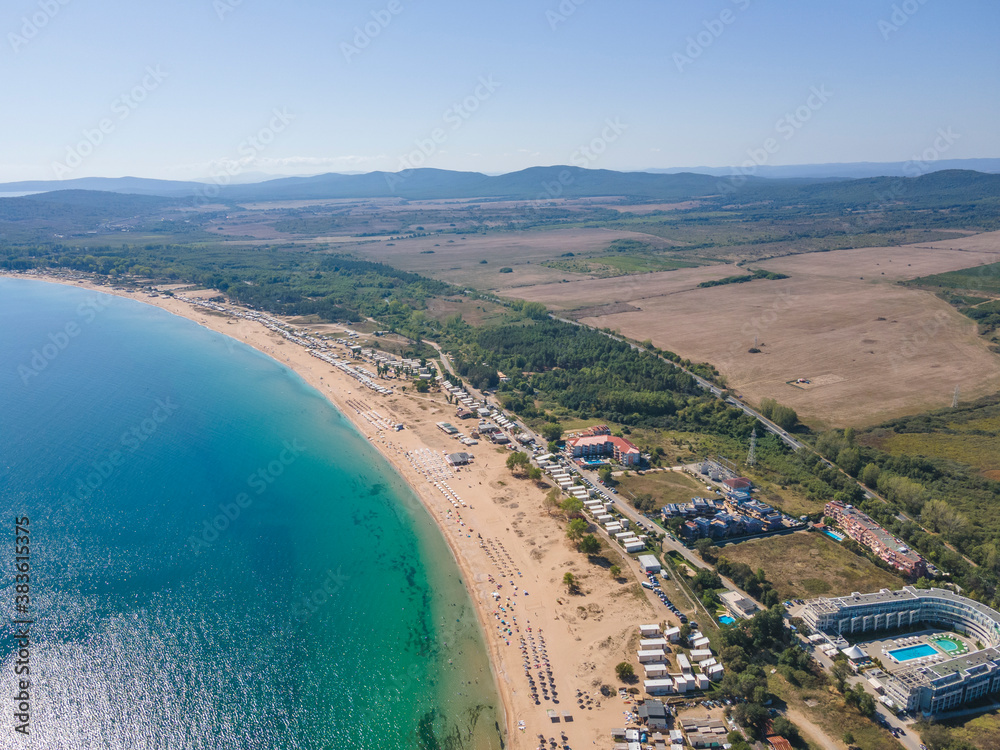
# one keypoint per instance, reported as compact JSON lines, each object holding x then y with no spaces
{"x":212,"y":555}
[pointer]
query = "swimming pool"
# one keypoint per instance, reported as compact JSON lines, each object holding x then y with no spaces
{"x":912,"y":652}
{"x":834,"y":535}
{"x":947,"y":644}
{"x":727,"y":620}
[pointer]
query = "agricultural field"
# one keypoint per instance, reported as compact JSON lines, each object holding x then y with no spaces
{"x":872,"y":348}
{"x":805,"y":565}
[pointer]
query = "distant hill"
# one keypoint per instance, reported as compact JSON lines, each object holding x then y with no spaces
{"x":83,"y":206}
{"x":848,"y":170}
{"x":135,"y":185}
{"x":548,"y":183}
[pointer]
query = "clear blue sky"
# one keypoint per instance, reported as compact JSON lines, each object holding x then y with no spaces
{"x":560,"y":77}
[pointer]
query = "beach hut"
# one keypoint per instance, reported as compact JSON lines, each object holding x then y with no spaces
{"x":646,"y":657}
{"x":701,"y":653}
{"x":700,"y":642}
{"x":653,"y":671}
{"x":651,"y":643}
{"x":613,"y":527}
{"x":661,"y":686}
{"x":672,"y":634}
{"x":684,"y":663}
{"x":703,"y":681}
{"x":652,"y":630}
{"x":635,"y":546}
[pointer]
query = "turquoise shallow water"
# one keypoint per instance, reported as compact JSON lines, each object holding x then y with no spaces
{"x":219,"y":559}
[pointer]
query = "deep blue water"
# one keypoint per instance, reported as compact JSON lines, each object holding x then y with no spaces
{"x":219,"y":560}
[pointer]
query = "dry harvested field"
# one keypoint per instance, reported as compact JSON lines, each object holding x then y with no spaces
{"x":874,"y":350}
{"x":456,"y":258}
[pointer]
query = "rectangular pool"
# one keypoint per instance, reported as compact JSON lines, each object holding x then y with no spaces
{"x":834,"y":535}
{"x":912,"y":652}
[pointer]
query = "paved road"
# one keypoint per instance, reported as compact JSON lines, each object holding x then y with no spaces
{"x":909,"y":739}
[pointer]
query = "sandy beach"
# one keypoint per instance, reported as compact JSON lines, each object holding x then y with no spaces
{"x":513,"y":554}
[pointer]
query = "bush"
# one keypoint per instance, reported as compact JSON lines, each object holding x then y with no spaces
{"x":625,"y":671}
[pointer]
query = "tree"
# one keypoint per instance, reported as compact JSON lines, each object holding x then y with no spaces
{"x":517,"y":462}
{"x":869,"y":475}
{"x":552,"y":432}
{"x":849,"y":460}
{"x":572,"y":506}
{"x":786,"y":729}
{"x":421,"y":385}
{"x":625,"y":671}
{"x":848,"y":738}
{"x":605,"y":474}
{"x":841,"y":670}
{"x":569,"y":581}
{"x":615,"y":571}
{"x":534,"y":473}
{"x":707,"y":549}
{"x":576,"y":528}
{"x":590,"y":544}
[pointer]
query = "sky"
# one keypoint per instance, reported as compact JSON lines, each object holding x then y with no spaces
{"x":195,"y":88}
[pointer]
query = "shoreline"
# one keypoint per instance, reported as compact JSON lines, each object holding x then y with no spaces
{"x":487,"y":533}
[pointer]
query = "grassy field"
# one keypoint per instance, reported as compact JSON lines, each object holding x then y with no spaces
{"x":980,"y":451}
{"x":826,"y":710}
{"x":982,"y":731}
{"x":665,"y":487}
{"x":619,"y":265}
{"x":805,"y":565}
{"x":979,"y":279}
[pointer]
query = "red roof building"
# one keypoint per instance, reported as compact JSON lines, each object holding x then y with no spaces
{"x":623,"y":451}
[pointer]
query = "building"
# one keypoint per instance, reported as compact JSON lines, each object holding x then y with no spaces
{"x":447,"y":428}
{"x":930,"y":688}
{"x":592,"y":446}
{"x":738,"y":605}
{"x":705,"y":732}
{"x":649,"y":564}
{"x":654,"y":714}
{"x":867,"y":533}
{"x":458,"y":459}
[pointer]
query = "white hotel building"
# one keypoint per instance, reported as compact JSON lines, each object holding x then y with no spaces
{"x":928,"y":688}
